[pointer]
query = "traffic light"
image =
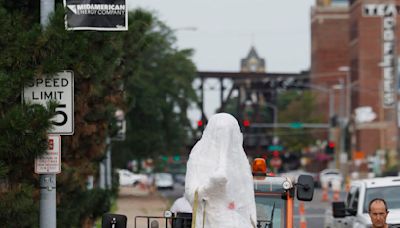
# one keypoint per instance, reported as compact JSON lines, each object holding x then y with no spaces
{"x":200,"y":123}
{"x":246,"y":123}
{"x":330,"y":148}
{"x":333,"y":121}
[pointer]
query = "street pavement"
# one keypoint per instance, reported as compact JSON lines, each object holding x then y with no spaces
{"x":137,"y":201}
{"x":315,"y":210}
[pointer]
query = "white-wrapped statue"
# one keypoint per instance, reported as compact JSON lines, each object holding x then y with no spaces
{"x":219,"y":171}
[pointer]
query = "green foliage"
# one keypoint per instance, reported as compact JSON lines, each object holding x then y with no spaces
{"x":80,"y":205}
{"x":139,"y":71}
{"x":17,"y":206}
{"x":297,"y":107}
{"x":158,"y":91}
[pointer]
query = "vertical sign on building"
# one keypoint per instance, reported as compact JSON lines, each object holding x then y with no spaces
{"x":59,"y":88}
{"x":50,"y":162}
{"x":388,"y":13}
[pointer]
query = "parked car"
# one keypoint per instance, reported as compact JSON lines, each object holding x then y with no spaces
{"x":127,"y":178}
{"x":353,"y":213}
{"x":179,"y":178}
{"x":164,"y":180}
{"x":329,"y":175}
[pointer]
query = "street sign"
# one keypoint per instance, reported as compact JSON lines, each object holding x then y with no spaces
{"x":296,"y":125}
{"x":50,"y":163}
{"x":59,"y":88}
{"x":275,"y":147}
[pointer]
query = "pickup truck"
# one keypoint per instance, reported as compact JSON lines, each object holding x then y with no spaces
{"x":274,"y":196}
{"x":354,"y":211}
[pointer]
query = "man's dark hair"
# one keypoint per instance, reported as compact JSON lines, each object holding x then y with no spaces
{"x":377,"y":200}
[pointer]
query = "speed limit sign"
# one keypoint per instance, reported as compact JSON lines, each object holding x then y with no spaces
{"x":59,"y":88}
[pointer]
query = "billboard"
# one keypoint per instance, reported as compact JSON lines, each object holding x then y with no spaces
{"x":100,"y":15}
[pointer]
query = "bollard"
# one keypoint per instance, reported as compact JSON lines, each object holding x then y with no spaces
{"x":302,"y":212}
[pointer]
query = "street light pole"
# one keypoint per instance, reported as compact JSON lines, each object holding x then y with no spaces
{"x":275,"y":110}
{"x":330,"y":94}
{"x":342,"y":124}
{"x":275,"y":119}
{"x":346,"y":71}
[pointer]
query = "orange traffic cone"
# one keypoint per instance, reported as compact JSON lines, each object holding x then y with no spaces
{"x":336,"y":195}
{"x":303,"y":221}
{"x":347,"y":184}
{"x":142,"y":186}
{"x":325,"y":197}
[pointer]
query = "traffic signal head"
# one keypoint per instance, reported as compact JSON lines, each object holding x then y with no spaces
{"x":330,"y":148}
{"x":246,"y":123}
{"x":200,"y":123}
{"x":334,"y":121}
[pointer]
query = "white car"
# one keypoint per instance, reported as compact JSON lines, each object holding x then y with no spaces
{"x":127,"y":178}
{"x":164,"y":180}
{"x":329,"y":175}
{"x":354,"y":212}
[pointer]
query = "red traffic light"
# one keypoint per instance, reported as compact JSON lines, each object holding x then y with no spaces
{"x":246,"y":123}
{"x":200,"y":123}
{"x":330,"y":148}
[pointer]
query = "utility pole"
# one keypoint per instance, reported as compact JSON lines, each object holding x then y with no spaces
{"x":47,"y":182}
{"x":342,"y":124}
{"x":344,"y":154}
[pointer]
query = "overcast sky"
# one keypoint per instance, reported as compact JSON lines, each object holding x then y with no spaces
{"x":226,"y":29}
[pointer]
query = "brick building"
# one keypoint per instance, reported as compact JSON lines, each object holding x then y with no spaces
{"x":353,"y":54}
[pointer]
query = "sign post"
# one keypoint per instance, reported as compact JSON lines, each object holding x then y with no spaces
{"x":59,"y":88}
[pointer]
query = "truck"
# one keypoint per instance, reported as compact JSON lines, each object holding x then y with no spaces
{"x":353,"y":212}
{"x":274,"y":196}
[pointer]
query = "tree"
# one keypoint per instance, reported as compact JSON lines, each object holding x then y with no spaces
{"x":158,"y":88}
{"x":139,"y":71}
{"x":24,"y":127}
{"x":297,"y":106}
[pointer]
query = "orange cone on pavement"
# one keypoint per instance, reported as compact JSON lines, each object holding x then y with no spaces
{"x":336,"y":195}
{"x":303,"y":221}
{"x":347,"y":184}
{"x":325,"y":197}
{"x":336,"y":186}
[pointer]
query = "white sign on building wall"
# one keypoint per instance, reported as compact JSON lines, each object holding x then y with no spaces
{"x":388,"y":12}
{"x":59,"y":88}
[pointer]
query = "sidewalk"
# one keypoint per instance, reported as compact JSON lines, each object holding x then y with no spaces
{"x":134,"y":201}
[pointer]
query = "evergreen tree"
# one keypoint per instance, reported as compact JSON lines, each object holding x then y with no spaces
{"x":139,"y":66}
